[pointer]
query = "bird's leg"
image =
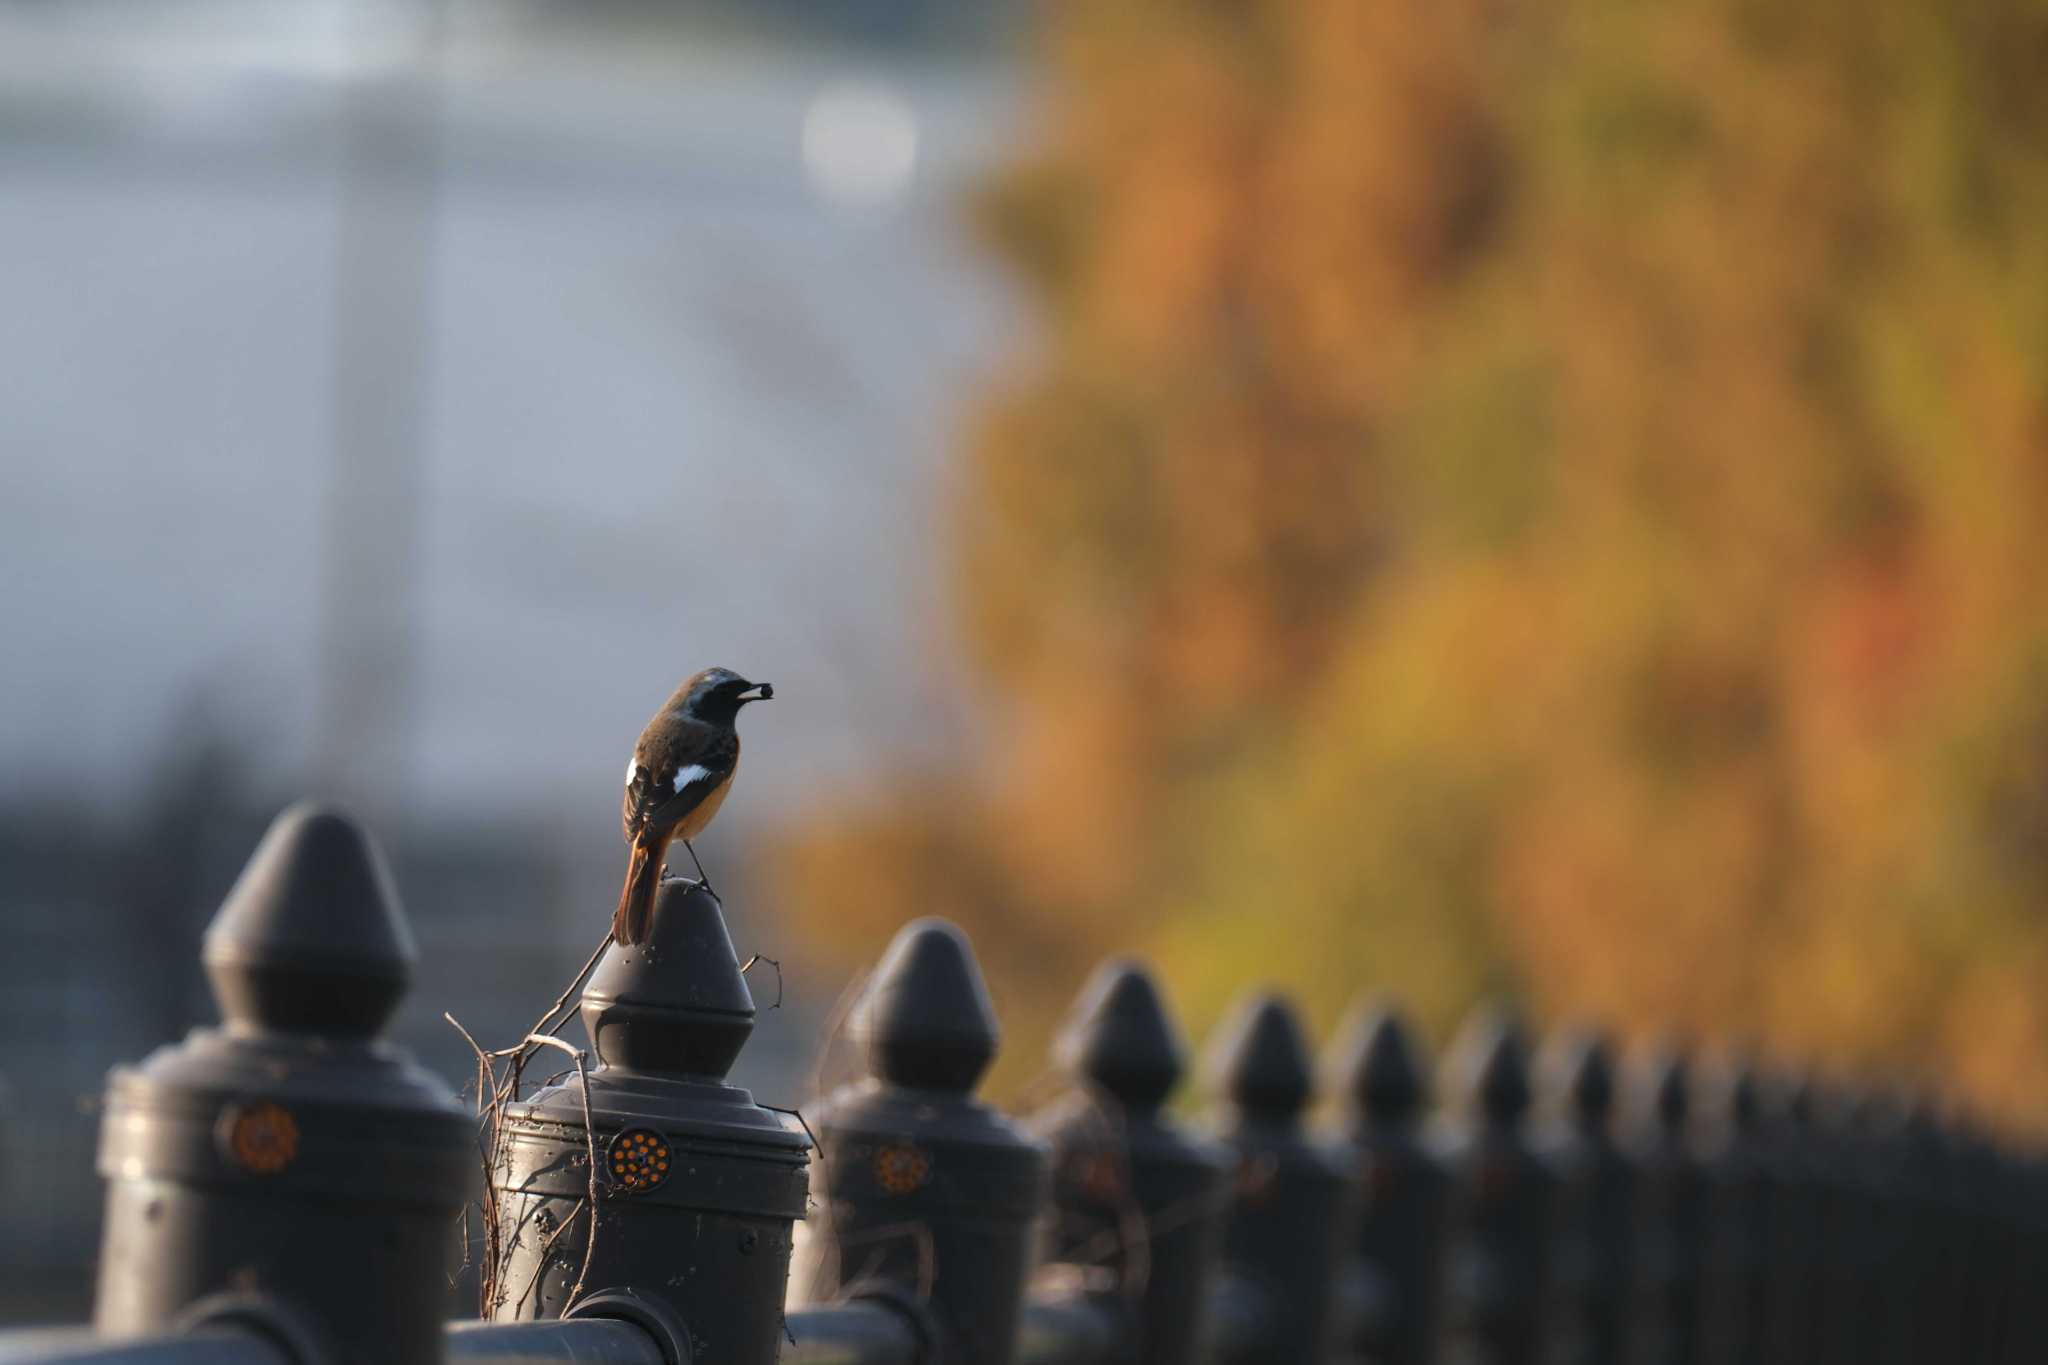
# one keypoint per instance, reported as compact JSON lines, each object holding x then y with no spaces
{"x":701,"y":878}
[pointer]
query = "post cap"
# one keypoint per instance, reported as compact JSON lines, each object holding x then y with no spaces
{"x":311,"y":938}
{"x":1259,"y":1060}
{"x":1120,"y":1038}
{"x":1667,"y":1085}
{"x":676,"y":1003}
{"x":1578,"y":1073}
{"x":926,"y":1020}
{"x":1488,"y":1066}
{"x":1735,"y":1095}
{"x":1377,"y":1065}
{"x":1792,"y":1098}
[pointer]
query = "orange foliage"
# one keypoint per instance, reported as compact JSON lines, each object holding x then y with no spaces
{"x":1535,"y":500}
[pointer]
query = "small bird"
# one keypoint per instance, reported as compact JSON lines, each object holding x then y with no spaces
{"x":681,"y":769}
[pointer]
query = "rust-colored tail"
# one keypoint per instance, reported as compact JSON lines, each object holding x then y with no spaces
{"x":633,"y":921}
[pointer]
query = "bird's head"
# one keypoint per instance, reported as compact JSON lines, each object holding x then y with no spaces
{"x":717,"y":694}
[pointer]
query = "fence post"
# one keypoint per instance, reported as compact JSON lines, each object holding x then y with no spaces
{"x":1737,"y":1272}
{"x":1794,"y":1301}
{"x":924,"y":1196}
{"x":1402,"y":1188}
{"x":1671,"y":1214}
{"x":1498,"y":1238}
{"x":695,"y":1188}
{"x":1592,"y":1244}
{"x":1139,"y":1204}
{"x":1289,"y":1219}
{"x":1850,"y":1230}
{"x":288,"y":1172}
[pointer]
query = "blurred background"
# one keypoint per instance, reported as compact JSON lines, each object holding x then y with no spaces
{"x":1468,"y":499}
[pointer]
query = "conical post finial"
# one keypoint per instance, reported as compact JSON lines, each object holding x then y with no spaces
{"x":1792,"y":1098}
{"x":1120,"y":1039}
{"x":1578,"y":1073}
{"x":676,"y":1003}
{"x":311,"y":938}
{"x":1377,"y":1065}
{"x":1667,"y":1083}
{"x":926,"y":1020}
{"x":1735,"y":1095}
{"x":1488,"y":1066}
{"x":1260,"y":1059}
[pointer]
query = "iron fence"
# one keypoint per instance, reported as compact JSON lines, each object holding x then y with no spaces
{"x":286,"y":1188}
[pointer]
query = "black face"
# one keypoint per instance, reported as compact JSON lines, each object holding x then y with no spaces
{"x":717,"y":694}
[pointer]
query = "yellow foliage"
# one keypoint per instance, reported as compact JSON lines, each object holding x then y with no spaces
{"x":1545,"y":500}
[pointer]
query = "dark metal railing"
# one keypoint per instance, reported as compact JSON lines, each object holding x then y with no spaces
{"x":284,"y":1189}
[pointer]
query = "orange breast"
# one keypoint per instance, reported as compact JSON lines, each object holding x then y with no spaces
{"x":692,"y":825}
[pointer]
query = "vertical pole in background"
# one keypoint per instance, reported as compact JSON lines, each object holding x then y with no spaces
{"x":290,"y":1172}
{"x":1594,"y":1242}
{"x":925,"y":1197}
{"x":1498,"y":1238}
{"x":386,"y":204}
{"x":1139,"y":1205}
{"x":1289,"y":1223}
{"x":1377,"y":1067}
{"x":1671,"y":1221}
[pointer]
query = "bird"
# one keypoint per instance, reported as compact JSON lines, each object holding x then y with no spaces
{"x":681,"y":769}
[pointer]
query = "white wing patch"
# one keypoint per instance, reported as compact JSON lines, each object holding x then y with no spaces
{"x":632,"y":770}
{"x":694,"y":772}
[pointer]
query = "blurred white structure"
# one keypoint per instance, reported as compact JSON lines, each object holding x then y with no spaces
{"x":676,"y":404}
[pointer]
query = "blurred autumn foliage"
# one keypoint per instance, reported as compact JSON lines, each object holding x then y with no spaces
{"x":1530,"y":498}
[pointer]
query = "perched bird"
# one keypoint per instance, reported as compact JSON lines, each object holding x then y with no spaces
{"x":676,"y":780}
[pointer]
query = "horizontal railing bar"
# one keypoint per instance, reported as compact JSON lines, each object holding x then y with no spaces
{"x":587,"y":1341}
{"x":81,"y":1346}
{"x":1067,"y":1330}
{"x":848,"y":1334}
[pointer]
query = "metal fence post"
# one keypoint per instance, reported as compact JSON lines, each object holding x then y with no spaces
{"x":1852,"y":1230}
{"x":1402,"y":1188}
{"x":1793,"y":1301}
{"x":684,"y":1224}
{"x":925,"y":1196}
{"x":1737,"y":1271}
{"x":1139,"y":1204}
{"x":1498,"y":1238}
{"x":1671,"y":1224}
{"x":1592,"y":1243}
{"x":1889,"y":1292}
{"x":1289,"y":1219}
{"x":288,"y":1172}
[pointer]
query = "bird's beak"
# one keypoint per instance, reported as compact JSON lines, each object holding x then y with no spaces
{"x":759,"y":692}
